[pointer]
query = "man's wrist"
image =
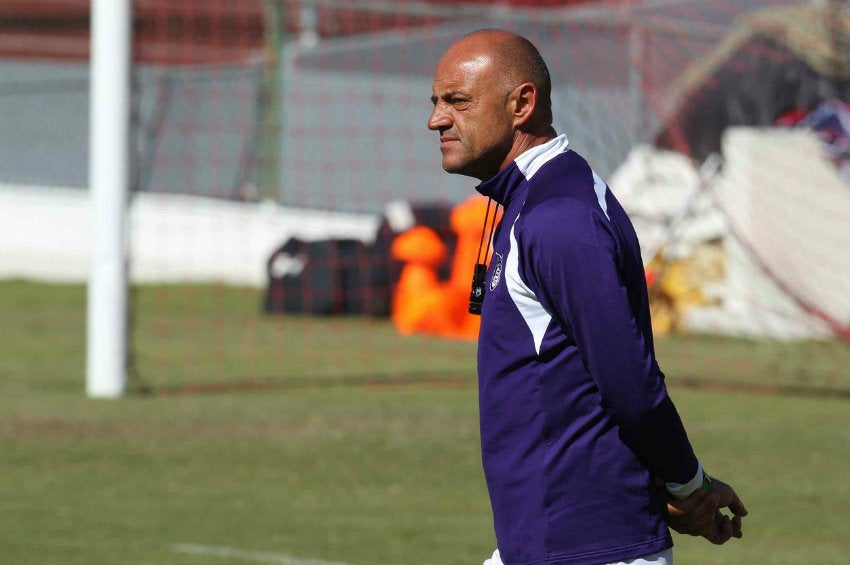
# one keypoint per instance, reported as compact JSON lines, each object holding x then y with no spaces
{"x":700,"y":481}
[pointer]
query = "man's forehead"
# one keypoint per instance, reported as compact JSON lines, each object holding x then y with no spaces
{"x":458,"y":72}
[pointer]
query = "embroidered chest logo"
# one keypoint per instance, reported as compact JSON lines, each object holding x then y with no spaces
{"x":497,"y":272}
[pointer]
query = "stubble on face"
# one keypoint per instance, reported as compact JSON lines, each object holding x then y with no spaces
{"x":470,"y":113}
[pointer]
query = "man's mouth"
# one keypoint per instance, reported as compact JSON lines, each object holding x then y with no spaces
{"x":445,"y":141}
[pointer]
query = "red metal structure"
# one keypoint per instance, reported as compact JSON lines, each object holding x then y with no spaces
{"x":194,"y":31}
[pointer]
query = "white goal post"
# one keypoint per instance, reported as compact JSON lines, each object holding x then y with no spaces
{"x":109,"y":177}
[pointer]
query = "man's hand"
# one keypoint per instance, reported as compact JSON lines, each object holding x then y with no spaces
{"x":700,"y":515}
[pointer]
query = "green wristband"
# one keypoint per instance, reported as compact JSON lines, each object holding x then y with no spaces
{"x":706,"y":482}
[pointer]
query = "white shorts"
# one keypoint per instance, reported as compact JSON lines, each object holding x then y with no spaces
{"x":662,"y":558}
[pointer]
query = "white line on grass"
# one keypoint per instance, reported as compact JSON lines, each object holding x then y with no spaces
{"x":247,"y":555}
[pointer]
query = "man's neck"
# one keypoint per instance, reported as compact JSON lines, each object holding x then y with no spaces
{"x":525,"y":141}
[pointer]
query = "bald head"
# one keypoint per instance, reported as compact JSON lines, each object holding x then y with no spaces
{"x":517,"y":61}
{"x":491,"y":96}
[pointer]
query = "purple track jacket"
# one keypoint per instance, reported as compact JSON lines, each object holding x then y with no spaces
{"x":575,"y":417}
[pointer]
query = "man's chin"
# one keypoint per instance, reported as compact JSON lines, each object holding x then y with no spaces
{"x":455,"y":168}
{"x":465,"y":171}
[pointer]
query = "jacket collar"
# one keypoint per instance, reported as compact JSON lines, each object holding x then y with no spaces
{"x":500,"y":187}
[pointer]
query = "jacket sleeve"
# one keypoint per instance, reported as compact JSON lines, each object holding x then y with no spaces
{"x":573,"y":260}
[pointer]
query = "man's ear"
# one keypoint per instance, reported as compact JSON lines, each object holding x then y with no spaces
{"x":523,"y":101}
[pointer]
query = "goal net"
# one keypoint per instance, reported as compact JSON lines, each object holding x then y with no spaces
{"x":280,"y":153}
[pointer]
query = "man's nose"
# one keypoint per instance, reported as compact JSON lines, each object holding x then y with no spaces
{"x":439,"y":119}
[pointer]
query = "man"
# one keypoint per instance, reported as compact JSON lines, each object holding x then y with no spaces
{"x":576,"y":423}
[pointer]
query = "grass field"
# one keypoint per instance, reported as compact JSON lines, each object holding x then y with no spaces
{"x":335,"y":440}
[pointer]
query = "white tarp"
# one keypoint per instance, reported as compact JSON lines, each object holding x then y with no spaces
{"x":783,"y":214}
{"x":790,"y":211}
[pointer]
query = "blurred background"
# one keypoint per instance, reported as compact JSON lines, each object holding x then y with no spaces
{"x":300,"y":364}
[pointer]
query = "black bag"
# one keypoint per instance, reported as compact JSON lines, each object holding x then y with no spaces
{"x":346,"y":276}
{"x":343,"y":276}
